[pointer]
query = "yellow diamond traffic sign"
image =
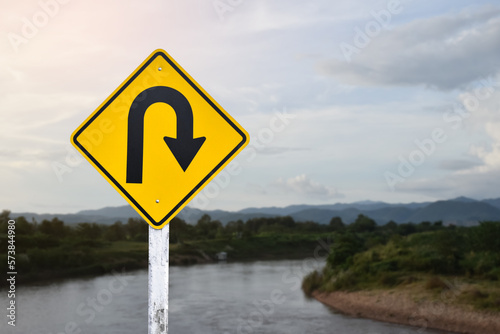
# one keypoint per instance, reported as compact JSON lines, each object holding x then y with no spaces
{"x":159,"y":139}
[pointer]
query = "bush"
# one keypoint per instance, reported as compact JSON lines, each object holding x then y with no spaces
{"x":386,"y":266}
{"x":493,"y":275}
{"x":311,"y":283}
{"x":345,"y":246}
{"x":390,"y":279}
{"x":436,"y":282}
{"x":346,"y":280}
{"x":480,"y":264}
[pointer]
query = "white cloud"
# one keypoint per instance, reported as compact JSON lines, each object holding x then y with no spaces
{"x":489,"y":154}
{"x":483,"y":107}
{"x":477,"y":185}
{"x":447,"y":52}
{"x":303,"y":185}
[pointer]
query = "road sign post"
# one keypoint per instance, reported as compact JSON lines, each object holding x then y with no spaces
{"x":158,"y":139}
{"x":158,"y":280}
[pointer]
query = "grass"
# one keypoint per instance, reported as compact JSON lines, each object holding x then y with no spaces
{"x":480,"y":294}
{"x":483,"y":295}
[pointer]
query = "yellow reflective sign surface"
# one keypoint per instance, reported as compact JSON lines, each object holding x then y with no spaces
{"x":159,"y":139}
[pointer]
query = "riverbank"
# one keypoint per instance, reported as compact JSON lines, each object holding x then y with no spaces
{"x":445,"y":278}
{"x":100,"y":258}
{"x":406,"y":308}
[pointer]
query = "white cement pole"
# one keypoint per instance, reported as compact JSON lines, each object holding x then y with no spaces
{"x":158,"y":280}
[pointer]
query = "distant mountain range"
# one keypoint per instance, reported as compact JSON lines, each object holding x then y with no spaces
{"x":459,"y":211}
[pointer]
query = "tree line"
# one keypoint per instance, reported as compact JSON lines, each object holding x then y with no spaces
{"x":53,"y":245}
{"x":136,"y":229}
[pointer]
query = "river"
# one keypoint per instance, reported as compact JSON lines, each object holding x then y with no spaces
{"x":233,"y":298}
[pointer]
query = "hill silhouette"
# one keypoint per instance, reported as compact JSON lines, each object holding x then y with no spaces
{"x":458,"y":211}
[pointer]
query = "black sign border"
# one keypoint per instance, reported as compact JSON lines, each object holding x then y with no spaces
{"x":200,"y":185}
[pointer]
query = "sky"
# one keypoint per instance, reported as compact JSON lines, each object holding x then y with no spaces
{"x":344,"y":101}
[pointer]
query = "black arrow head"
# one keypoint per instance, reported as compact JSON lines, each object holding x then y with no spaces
{"x":184,"y":150}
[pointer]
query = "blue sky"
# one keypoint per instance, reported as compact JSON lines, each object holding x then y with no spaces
{"x":395,"y":101}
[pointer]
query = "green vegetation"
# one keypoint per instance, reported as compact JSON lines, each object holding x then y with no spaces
{"x":427,"y":258}
{"x":422,"y":257}
{"x":51,"y":249}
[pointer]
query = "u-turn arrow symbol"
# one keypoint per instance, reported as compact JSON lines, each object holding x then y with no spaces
{"x":184,"y":147}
